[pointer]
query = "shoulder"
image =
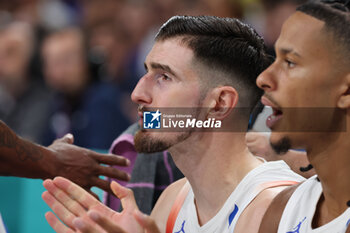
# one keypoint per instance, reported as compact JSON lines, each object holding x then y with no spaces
{"x":255,"y":211}
{"x":165,"y":202}
{"x":273,"y":214}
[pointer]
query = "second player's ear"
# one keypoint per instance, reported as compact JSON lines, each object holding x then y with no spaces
{"x":344,"y":100}
{"x":224,"y":99}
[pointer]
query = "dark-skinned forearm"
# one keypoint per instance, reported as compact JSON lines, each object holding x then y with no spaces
{"x":19,"y":157}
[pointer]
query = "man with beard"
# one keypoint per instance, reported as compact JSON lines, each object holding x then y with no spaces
{"x":209,"y":65}
{"x":308,"y":86}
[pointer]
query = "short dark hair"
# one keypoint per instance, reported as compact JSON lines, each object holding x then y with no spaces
{"x":225,"y":44}
{"x":336,"y":15}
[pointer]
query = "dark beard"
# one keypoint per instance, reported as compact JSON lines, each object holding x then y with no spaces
{"x":144,"y":143}
{"x":282,"y":146}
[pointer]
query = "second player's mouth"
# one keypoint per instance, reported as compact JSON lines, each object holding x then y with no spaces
{"x":276,"y":115}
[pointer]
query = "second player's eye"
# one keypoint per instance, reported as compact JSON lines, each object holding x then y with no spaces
{"x":290,"y":64}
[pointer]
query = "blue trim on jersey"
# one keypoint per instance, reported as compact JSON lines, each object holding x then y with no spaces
{"x":232,"y":215}
{"x":297,"y":228}
{"x":182,"y":228}
{"x":347,"y":224}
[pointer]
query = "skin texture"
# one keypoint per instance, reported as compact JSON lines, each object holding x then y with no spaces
{"x":160,"y":88}
{"x":301,"y":81}
{"x":274,"y":213}
{"x":297,"y":71}
{"x":212,"y":179}
{"x":83,"y":213}
{"x":25,"y":159}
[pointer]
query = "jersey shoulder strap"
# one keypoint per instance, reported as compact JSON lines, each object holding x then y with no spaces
{"x":278,"y":183}
{"x":175,"y":209}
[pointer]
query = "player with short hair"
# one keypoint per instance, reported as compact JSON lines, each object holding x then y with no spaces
{"x":308,"y":86}
{"x":209,"y":65}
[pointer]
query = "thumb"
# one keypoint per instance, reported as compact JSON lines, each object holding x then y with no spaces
{"x":125,"y":195}
{"x":68,"y":138}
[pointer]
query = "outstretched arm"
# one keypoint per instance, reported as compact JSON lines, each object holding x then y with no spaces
{"x":19,"y":157}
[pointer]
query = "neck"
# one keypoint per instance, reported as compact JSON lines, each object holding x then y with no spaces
{"x":331,"y":161}
{"x":214,"y":167}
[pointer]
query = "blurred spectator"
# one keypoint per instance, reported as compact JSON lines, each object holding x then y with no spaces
{"x":83,"y":105}
{"x":25,"y":10}
{"x":120,"y":33}
{"x":95,"y":11}
{"x":138,"y":18}
{"x":276,"y":12}
{"x":109,"y":46}
{"x":56,"y":14}
{"x":225,"y":8}
{"x":23,"y":102}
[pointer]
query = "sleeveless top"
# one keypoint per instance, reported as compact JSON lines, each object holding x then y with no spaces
{"x":300,"y":209}
{"x":267,"y":175}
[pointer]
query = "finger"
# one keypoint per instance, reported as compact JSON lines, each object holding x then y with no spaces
{"x":68,"y":138}
{"x":113,"y":173}
{"x":102,"y":184}
{"x":125,"y":195}
{"x":83,"y":226}
{"x":94,"y":194}
{"x":71,"y":204}
{"x":146,"y":222}
{"x":76,"y":192}
{"x":56,"y":224}
{"x":111,"y":159}
{"x":66,"y":216}
{"x":80,"y":195}
{"x":105,"y":223}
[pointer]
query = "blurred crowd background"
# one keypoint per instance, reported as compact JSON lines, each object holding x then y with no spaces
{"x":70,"y":65}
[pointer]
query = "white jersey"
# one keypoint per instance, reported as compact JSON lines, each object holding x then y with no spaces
{"x":251,"y":185}
{"x":300,"y":209}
